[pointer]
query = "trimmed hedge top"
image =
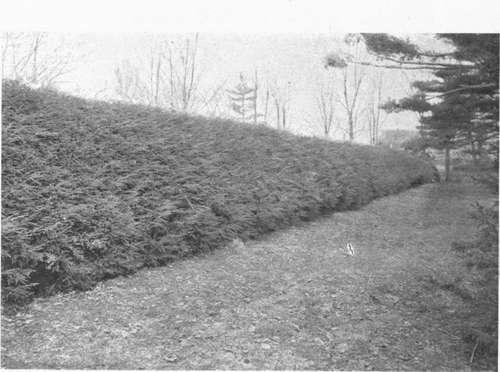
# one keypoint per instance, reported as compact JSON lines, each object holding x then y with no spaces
{"x":91,"y":190}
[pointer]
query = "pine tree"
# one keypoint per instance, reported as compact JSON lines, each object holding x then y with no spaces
{"x":243,"y":99}
{"x":460,"y":106}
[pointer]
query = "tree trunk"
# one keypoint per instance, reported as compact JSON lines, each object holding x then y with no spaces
{"x":242,"y":107}
{"x":157,"y":82}
{"x":447,"y":164}
{"x":256,"y":87}
{"x":267,"y":103}
{"x":351,"y":128}
{"x":370,"y":130}
{"x":34,"y":78}
{"x":277,"y":116}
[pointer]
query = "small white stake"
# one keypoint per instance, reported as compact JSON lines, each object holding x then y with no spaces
{"x":350,"y":249}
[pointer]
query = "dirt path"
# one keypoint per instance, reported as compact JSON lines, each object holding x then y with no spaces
{"x":293,"y":300}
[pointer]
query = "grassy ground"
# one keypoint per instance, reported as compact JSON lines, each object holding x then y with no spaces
{"x":292,"y":300}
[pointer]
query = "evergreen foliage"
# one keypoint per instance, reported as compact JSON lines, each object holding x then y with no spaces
{"x":244,"y":101}
{"x":92,"y":190}
{"x":459,"y":107}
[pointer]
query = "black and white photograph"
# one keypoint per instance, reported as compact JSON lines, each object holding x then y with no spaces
{"x":249,"y":185}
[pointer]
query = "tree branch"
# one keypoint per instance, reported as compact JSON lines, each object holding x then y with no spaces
{"x":434,"y":64}
{"x":464,"y":88}
{"x":421,"y":67}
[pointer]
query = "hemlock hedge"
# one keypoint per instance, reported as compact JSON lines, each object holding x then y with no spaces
{"x":92,"y":190}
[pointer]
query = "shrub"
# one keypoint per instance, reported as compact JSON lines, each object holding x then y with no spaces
{"x":92,"y":190}
{"x":481,"y":257}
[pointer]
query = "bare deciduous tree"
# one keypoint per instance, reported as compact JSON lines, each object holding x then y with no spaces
{"x":168,"y":78}
{"x":35,"y":58}
{"x":326,"y":107}
{"x":376,"y":115}
{"x":281,"y":100}
{"x":183,"y":75}
{"x":255,"y":97}
{"x":212,"y":101}
{"x":324,"y":115}
{"x":266,"y":105}
{"x":129,"y":85}
{"x":352,"y":79}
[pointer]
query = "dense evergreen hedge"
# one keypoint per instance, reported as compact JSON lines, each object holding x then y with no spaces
{"x":91,"y":190}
